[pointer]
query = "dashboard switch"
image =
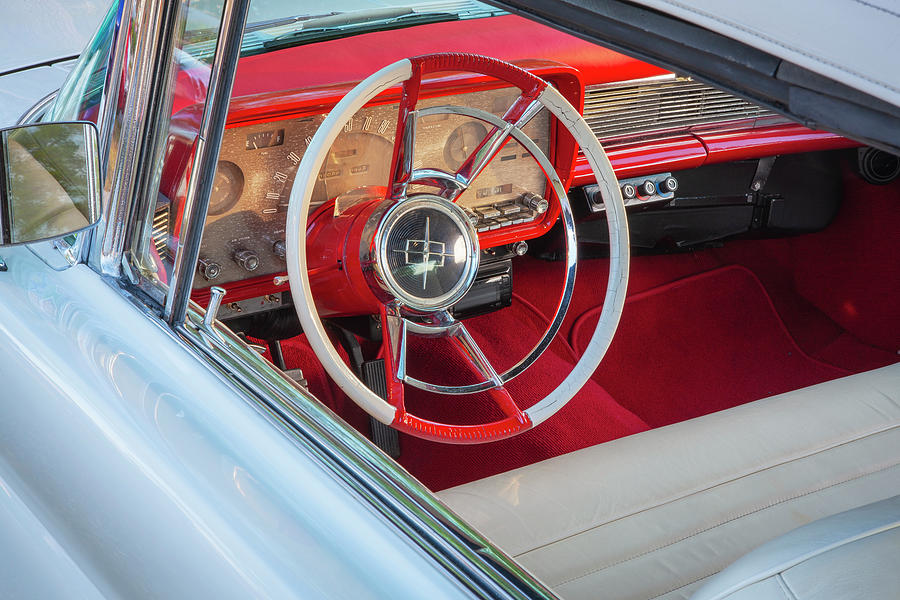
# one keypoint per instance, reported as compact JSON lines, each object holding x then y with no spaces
{"x":279,"y":249}
{"x":648,"y":188}
{"x":209,"y":268}
{"x":248,"y":259}
{"x":628,"y":191}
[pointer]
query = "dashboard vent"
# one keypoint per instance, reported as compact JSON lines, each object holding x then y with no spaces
{"x":160,"y":232}
{"x":662,"y":105}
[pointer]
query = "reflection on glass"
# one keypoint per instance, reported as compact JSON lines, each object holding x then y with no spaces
{"x":51,"y":180}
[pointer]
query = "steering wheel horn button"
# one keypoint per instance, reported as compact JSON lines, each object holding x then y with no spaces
{"x":426,"y":253}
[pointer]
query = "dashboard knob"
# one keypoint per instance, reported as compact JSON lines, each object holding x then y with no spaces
{"x":668,"y":185}
{"x":535,"y":203}
{"x":210,"y":269}
{"x":279,"y":249}
{"x":628,"y":191}
{"x":648,"y":188}
{"x":248,"y":259}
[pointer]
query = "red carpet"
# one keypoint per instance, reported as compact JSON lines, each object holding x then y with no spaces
{"x":703,"y":343}
{"x":701,"y":331}
{"x":592,"y":417}
{"x":716,"y":342}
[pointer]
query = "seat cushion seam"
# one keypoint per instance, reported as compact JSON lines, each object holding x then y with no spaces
{"x":684,"y":585}
{"x":788,"y":592}
{"x":730,"y":520}
{"x":758,"y":470}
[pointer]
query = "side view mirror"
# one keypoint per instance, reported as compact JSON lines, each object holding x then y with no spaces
{"x":49,"y":181}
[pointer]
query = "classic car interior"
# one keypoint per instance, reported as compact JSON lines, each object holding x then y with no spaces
{"x":752,"y":385}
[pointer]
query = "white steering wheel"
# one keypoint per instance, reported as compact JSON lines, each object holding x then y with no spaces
{"x":379,"y":232}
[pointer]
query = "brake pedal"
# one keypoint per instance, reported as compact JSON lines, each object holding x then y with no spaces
{"x":384,"y":436}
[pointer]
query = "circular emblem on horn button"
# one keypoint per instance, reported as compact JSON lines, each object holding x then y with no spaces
{"x":427,"y":252}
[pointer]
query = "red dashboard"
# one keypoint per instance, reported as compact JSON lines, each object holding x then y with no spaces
{"x":287,"y":86}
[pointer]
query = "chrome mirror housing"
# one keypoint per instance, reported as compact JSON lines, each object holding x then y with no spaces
{"x":49,"y":181}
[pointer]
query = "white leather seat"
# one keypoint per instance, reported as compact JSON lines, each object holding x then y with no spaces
{"x":655,"y":514}
{"x":853,"y":555}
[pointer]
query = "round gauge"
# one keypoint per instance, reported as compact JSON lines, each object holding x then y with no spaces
{"x":461,"y":142}
{"x":227,"y":187}
{"x":355,"y":160}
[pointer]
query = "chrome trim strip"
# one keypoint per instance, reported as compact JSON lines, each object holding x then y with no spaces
{"x":628,"y":82}
{"x":141,"y":39}
{"x":203,"y":169}
{"x":659,"y":106}
{"x":37,"y":111}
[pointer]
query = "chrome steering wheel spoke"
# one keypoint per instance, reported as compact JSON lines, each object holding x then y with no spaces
{"x":403,"y":159}
{"x":517,"y":116}
{"x":395,"y":340}
{"x":442,"y":324}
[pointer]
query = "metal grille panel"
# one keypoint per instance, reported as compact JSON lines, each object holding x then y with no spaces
{"x":160,"y":232}
{"x":655,"y":105}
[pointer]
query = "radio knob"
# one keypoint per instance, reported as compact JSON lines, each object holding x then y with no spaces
{"x":535,"y":203}
{"x":279,"y":249}
{"x":248,"y":259}
{"x":210,"y":269}
{"x":668,"y":185}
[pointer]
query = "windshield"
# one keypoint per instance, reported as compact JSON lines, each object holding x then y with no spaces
{"x":276,"y":24}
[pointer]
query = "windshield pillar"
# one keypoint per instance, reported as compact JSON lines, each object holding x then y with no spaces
{"x":132,"y":107}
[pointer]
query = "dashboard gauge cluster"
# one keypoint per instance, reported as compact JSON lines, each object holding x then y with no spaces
{"x":244,"y":233}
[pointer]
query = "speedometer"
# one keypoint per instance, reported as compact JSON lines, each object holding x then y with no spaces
{"x":355,"y":160}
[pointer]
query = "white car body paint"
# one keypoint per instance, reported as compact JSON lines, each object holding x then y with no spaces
{"x":131,"y":469}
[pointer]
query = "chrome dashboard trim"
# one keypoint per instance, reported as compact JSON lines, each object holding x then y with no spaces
{"x":661,"y":106}
{"x":640,"y":81}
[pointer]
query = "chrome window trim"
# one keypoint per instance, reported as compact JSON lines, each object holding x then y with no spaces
{"x":367,"y":472}
{"x":38,"y":109}
{"x":140,"y":36}
{"x":206,"y":156}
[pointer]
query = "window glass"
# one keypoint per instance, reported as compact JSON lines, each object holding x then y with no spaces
{"x":79,"y":97}
{"x":154,"y":242}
